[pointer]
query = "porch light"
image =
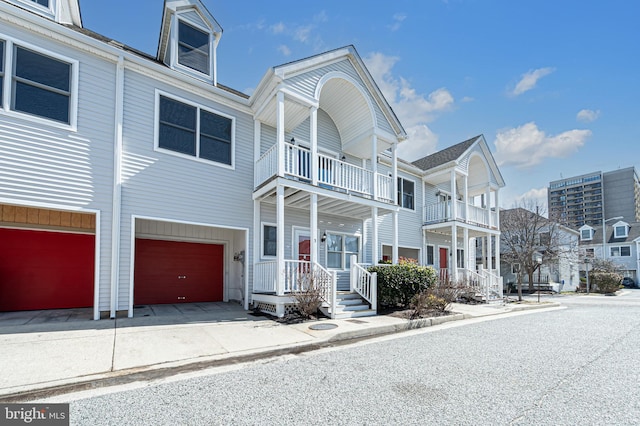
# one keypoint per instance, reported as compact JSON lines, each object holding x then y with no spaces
{"x":343,"y":158}
{"x":324,"y":237}
{"x":293,"y":141}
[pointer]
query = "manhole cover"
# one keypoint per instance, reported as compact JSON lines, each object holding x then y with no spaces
{"x":324,"y":326}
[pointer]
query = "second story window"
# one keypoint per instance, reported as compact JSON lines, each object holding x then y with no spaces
{"x":44,"y":3}
{"x":190,"y":130}
{"x":406,"y":192}
{"x":39,"y":85}
{"x":193,"y":47}
{"x":585,"y":234}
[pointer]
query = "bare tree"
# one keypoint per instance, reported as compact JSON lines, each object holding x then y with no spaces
{"x":527,"y":235}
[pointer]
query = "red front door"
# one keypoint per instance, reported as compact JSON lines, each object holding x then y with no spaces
{"x":45,"y":270}
{"x":444,"y":263}
{"x":177,"y":272}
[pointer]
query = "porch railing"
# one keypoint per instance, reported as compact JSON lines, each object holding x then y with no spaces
{"x":494,"y":285}
{"x":442,"y":211}
{"x":296,"y":273}
{"x":332,"y":173}
{"x":364,"y":283}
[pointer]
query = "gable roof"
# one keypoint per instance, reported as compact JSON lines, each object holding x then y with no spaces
{"x":633,"y":235}
{"x":446,"y":155}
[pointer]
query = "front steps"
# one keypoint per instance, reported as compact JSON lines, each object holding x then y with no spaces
{"x":349,"y":305}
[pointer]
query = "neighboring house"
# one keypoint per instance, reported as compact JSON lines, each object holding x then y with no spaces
{"x":131,"y":179}
{"x":556,"y":246}
{"x":621,"y":245}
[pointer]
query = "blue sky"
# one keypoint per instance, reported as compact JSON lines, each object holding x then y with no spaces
{"x":553,"y":85}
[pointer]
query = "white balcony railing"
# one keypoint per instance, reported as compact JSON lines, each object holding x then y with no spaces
{"x":443,"y":212}
{"x":332,"y":173}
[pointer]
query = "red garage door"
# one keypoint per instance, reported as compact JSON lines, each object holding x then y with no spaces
{"x":45,"y":270}
{"x":177,"y":272}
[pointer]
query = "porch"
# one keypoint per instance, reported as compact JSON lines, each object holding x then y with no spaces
{"x":275,"y":293}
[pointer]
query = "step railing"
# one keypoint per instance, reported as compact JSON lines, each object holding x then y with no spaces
{"x":364,"y":283}
{"x":494,"y":285}
{"x":294,"y":277}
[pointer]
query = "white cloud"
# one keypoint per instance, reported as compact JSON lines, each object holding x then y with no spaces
{"x":535,"y":196}
{"x":321,"y":17}
{"x":284,"y":50}
{"x":529,"y":80}
{"x":302,"y":33}
{"x":527,"y":146}
{"x":398,"y":18}
{"x":588,"y":115}
{"x":277,"y":28}
{"x":413,"y":109}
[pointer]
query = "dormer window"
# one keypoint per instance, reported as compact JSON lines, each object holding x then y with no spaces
{"x":586,"y":233}
{"x":44,"y":3}
{"x":194,"y":46}
{"x":620,"y":230}
{"x":41,"y":7}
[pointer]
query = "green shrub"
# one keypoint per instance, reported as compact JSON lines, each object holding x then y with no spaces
{"x":606,"y":282}
{"x":397,"y":284}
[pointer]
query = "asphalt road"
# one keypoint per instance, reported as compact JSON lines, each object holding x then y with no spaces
{"x":573,"y":366}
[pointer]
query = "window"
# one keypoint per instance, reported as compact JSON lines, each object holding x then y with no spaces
{"x":623,"y":251}
{"x":585,"y":234}
{"x":430,"y":255}
{"x":340,"y":248}
{"x":41,"y":85}
{"x":190,"y":130}
{"x":406,"y":190}
{"x":1,"y":70}
{"x":269,"y":240}
{"x":590,"y":253}
{"x":545,"y":238}
{"x":620,"y":231}
{"x":460,"y":258}
{"x":44,"y":3}
{"x":515,"y":268}
{"x":193,"y":47}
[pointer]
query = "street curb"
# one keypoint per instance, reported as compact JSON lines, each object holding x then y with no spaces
{"x":158,"y":371}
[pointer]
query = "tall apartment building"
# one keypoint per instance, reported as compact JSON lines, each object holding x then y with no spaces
{"x":590,"y":198}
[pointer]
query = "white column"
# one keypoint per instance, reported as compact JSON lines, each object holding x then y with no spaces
{"x":489,"y":252}
{"x":497,"y":250}
{"x":394,"y":172}
{"x":467,"y":252}
{"x":313,"y":139}
{"x":488,"y":205}
{"x":497,"y":206}
{"x":280,"y":132}
{"x":116,"y":209}
{"x":375,"y":256}
{"x":454,"y":204}
{"x":374,"y":168}
{"x":314,"y":228}
{"x":394,"y":255}
{"x":257,"y":232}
{"x":280,"y":240}
{"x":465,"y":182}
{"x":454,"y":251}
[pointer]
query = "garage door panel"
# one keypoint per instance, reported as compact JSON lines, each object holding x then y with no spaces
{"x":45,"y":270}
{"x":177,"y":272}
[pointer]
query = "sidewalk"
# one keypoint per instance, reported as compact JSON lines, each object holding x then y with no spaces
{"x":50,"y":355}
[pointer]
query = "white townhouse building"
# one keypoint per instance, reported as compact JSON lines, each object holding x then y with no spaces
{"x":130,"y":179}
{"x":620,"y":245}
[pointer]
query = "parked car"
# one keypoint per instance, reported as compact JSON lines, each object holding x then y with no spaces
{"x":628,"y":282}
